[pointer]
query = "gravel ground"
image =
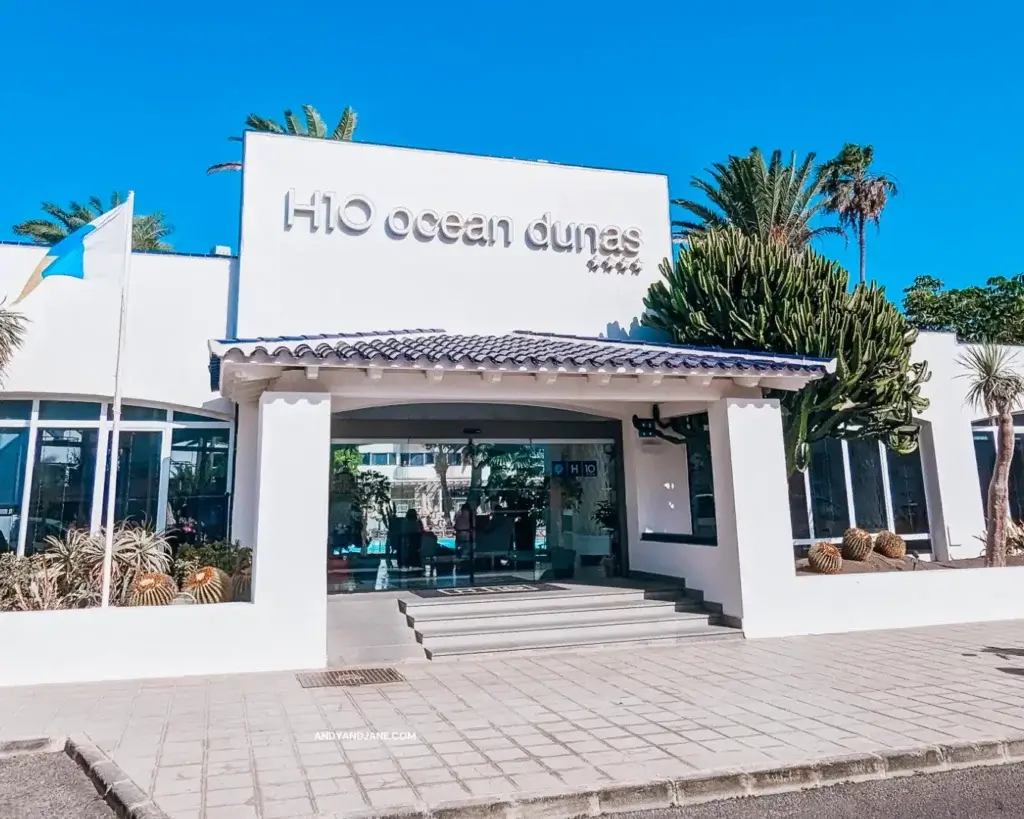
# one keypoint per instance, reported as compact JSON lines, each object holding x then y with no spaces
{"x":48,"y":786}
{"x":977,"y":793}
{"x":877,"y":563}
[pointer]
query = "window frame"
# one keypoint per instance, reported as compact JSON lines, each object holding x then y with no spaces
{"x":166,"y":427}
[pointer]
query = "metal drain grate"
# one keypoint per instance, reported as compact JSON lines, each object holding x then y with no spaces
{"x":349,"y":679}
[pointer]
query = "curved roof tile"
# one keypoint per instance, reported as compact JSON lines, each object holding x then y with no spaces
{"x":520,"y":348}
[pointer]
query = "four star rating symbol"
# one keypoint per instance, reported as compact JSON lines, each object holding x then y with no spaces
{"x":620,"y":264}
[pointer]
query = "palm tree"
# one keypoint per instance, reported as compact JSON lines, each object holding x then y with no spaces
{"x":775,"y":201}
{"x":445,"y":456}
{"x":148,"y":230}
{"x":856,"y":194}
{"x":313,"y":127}
{"x":996,"y":387}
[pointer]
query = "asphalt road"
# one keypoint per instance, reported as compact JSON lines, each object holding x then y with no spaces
{"x":977,"y":793}
{"x":48,"y":786}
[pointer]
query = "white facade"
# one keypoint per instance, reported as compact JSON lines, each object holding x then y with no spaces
{"x":475,"y":257}
{"x":343,"y":238}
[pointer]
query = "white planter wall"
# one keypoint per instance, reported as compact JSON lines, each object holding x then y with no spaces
{"x":866,"y":602}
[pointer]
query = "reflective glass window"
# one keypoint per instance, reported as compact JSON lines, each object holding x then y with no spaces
{"x":13,"y":459}
{"x":197,"y":496}
{"x":798,"y":506}
{"x":62,"y":483}
{"x":15,"y":410}
{"x":985,"y":454}
{"x":828,"y":489}
{"x":701,"y":480}
{"x":69,"y":411}
{"x":868,"y":487}
{"x":130,"y":413}
{"x":909,"y":504}
{"x":191,"y":416}
{"x":138,"y":477}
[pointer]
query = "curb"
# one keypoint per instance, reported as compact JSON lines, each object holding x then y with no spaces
{"x":125,"y":797}
{"x":720,"y":785}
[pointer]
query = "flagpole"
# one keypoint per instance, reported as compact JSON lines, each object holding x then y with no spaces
{"x":115,"y":433}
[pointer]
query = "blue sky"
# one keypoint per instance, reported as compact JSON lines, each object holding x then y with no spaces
{"x":133,"y":96}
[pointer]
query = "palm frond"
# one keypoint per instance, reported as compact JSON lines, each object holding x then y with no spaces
{"x":774,"y":199}
{"x":149,"y":231}
{"x":224,"y":166}
{"x":346,"y":127}
{"x":292,"y":125}
{"x":40,"y":231}
{"x":314,"y":122}
{"x":57,"y":213}
{"x":994,"y":383}
{"x":257,"y":123}
{"x":314,"y":126}
{"x":13,"y":326}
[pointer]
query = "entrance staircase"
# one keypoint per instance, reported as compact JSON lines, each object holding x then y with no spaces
{"x":576,"y":617}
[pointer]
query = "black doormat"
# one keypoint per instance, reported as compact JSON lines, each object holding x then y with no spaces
{"x":487,"y":591}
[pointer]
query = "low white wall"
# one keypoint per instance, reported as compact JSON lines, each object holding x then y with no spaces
{"x":867,"y":602}
{"x":88,"y":645}
{"x":699,"y":565}
{"x":285,"y":627}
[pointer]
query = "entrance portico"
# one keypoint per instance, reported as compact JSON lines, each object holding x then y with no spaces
{"x":288,"y":387}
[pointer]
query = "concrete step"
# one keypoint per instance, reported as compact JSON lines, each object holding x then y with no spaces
{"x":607,"y":613}
{"x":620,"y":636}
{"x":518,"y":603}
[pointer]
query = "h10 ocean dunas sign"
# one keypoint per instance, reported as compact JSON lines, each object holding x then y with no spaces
{"x":356,"y":215}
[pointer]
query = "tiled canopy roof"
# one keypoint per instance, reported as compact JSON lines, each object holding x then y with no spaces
{"x":519,"y":349}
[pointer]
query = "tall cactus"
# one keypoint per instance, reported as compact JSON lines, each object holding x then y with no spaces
{"x":730,"y":290}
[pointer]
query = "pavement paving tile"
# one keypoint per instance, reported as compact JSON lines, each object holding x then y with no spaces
{"x":341,"y":803}
{"x":558,"y":720}
{"x":231,"y":796}
{"x":392,"y":797}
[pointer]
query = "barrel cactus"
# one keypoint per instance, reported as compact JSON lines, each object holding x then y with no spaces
{"x":241,"y":586}
{"x":856,"y":544}
{"x":824,"y":558}
{"x":208,"y":585}
{"x":152,"y":589}
{"x":891,"y":545}
{"x":183,"y":599}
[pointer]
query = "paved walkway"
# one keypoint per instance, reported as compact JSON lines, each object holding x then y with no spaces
{"x":247,"y":746}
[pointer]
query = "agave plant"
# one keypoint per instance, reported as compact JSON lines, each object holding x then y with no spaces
{"x":69,"y":556}
{"x":33,"y":584}
{"x":12,"y":572}
{"x":136,"y":550}
{"x":1014,"y":538}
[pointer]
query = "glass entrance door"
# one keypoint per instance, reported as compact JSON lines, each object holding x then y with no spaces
{"x":422,"y":514}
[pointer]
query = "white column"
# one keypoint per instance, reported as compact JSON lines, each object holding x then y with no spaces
{"x":630,"y":528}
{"x":956,"y":512}
{"x":755,"y":534}
{"x":243,"y":499}
{"x":290,"y":557}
